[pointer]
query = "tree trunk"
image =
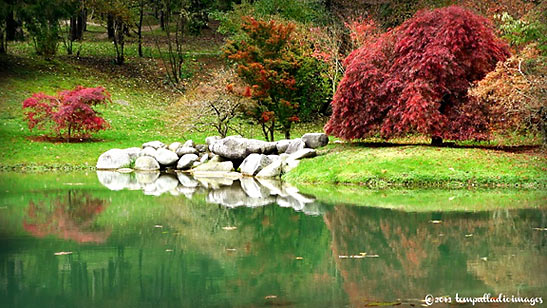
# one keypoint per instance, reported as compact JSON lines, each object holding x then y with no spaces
{"x":3,"y":43}
{"x":162,"y":21}
{"x":110,"y":26}
{"x":288,"y":133}
{"x":139,"y":30}
{"x":436,"y":140}
{"x":11,"y":26}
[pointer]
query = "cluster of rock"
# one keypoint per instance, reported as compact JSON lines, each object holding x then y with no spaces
{"x":220,"y":155}
{"x":230,"y":192}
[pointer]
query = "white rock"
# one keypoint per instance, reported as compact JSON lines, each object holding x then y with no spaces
{"x":253,"y":163}
{"x":146,"y":163}
{"x":304,"y":153}
{"x":271,"y":170}
{"x":295,"y":145}
{"x":154,"y":144}
{"x":224,"y":166}
{"x":148,"y":151}
{"x":282,"y":145}
{"x":174,"y":146}
{"x":133,"y":153}
{"x":211,"y":140}
{"x":289,"y":165}
{"x":186,"y":150}
{"x":113,"y":159}
{"x":189,"y":143}
{"x":166,"y":157}
{"x":186,"y":161}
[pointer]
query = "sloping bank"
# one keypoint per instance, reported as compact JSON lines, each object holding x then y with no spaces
{"x":416,"y":166}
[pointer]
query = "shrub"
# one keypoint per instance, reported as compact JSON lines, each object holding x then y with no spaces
{"x":415,"y":77}
{"x":69,"y":114}
{"x":516,"y":91}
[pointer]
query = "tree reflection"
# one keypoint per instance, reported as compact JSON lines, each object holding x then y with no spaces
{"x":70,"y":217}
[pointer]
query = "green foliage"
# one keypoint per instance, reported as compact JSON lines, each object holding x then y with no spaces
{"x":520,"y":32}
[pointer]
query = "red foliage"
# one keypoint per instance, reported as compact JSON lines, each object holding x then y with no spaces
{"x":69,"y":114}
{"x":415,"y":77}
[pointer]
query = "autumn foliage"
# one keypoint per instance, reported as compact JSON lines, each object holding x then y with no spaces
{"x":414,"y":79}
{"x":69,"y":114}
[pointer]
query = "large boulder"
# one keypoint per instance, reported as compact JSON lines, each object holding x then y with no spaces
{"x":148,"y":151}
{"x":146,"y":163}
{"x":271,"y":170}
{"x":253,"y":163}
{"x":186,"y":161}
{"x":133,"y":153}
{"x":295,"y":145}
{"x":154,"y":144}
{"x":166,"y":157}
{"x":315,"y":140}
{"x":186,"y":150}
{"x":113,"y":159}
{"x":237,"y":147}
{"x":212,"y":139}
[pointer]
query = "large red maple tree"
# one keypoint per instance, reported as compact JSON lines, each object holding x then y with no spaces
{"x":414,"y":79}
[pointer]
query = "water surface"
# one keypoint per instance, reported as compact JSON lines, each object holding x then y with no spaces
{"x":111,"y":240}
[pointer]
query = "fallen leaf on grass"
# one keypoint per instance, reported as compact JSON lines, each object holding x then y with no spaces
{"x":469,"y":235}
{"x":299,"y":258}
{"x":270,"y":297}
{"x":168,"y":250}
{"x":229,"y":228}
{"x":158,"y":226}
{"x":63,"y":253}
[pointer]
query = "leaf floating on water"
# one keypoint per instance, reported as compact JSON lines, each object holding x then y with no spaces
{"x":63,"y":253}
{"x":469,"y":235}
{"x":270,"y":297}
{"x":158,"y":226}
{"x":540,"y":229}
{"x":435,"y":221}
{"x":229,"y":228}
{"x":299,"y":258}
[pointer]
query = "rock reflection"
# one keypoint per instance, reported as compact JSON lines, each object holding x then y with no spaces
{"x":68,"y":217}
{"x":230,"y":192}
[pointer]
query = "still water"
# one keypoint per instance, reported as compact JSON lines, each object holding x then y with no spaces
{"x":145,"y":240}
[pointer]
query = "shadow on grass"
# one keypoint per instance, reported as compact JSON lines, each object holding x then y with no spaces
{"x":504,"y":148}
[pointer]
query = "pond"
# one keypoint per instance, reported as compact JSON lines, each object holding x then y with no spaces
{"x":140,"y":240}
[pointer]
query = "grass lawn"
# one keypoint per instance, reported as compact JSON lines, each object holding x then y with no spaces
{"x":388,"y":165}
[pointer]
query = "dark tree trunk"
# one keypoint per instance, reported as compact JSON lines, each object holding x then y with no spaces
{"x":162,"y":21}
{"x":3,"y":42}
{"x":436,"y":140}
{"x":139,"y":28}
{"x":11,"y":26}
{"x":110,"y":26}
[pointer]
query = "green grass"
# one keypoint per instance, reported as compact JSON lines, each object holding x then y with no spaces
{"x":421,"y":165}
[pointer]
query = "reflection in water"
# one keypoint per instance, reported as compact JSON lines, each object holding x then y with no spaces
{"x":68,"y":217}
{"x":170,"y":251}
{"x":228,"y":192}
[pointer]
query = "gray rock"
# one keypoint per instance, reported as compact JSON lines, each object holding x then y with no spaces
{"x":113,"y":159}
{"x":224,"y":166}
{"x":315,"y":140}
{"x":253,"y":163}
{"x":201,"y":148}
{"x":211,"y":140}
{"x":295,"y":145}
{"x":133,"y":153}
{"x":166,"y":157}
{"x":282,"y":145}
{"x":174,"y":146}
{"x":114,"y":180}
{"x":189,"y":143}
{"x":146,"y":163}
{"x":231,"y":148}
{"x":186,"y":150}
{"x":304,"y":153}
{"x":204,"y":158}
{"x":271,"y":170}
{"x":186,"y":161}
{"x":187,"y":181}
{"x":148,"y":151}
{"x":145,"y":178}
{"x":154,"y":144}
{"x":215,"y":158}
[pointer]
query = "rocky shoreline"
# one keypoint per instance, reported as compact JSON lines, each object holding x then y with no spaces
{"x":233,"y":156}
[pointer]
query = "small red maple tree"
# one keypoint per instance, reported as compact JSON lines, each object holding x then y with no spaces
{"x":415,"y":77}
{"x":69,"y":114}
